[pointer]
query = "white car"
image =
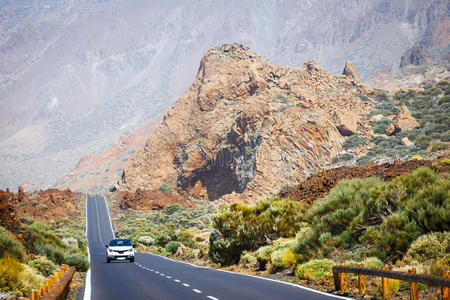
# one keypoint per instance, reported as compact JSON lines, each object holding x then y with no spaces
{"x":119,"y":249}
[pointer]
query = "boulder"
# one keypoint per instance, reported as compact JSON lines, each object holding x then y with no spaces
{"x":347,"y":122}
{"x":376,"y":118}
{"x":391,"y":129}
{"x":404,"y":120}
{"x":407,"y":142}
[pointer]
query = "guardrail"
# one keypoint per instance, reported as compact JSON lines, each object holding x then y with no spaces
{"x":340,"y":282}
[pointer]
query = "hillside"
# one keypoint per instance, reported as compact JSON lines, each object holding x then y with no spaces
{"x":75,"y":74}
{"x":247,"y":126}
{"x":97,"y":173}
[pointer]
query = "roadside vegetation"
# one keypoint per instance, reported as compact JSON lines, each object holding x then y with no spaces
{"x":30,"y":250}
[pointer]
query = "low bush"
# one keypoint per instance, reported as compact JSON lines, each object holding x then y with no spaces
{"x":78,"y":260}
{"x":439,"y":147}
{"x":172,"y":246}
{"x":289,"y":259}
{"x":381,"y":126}
{"x":10,"y":269}
{"x":51,"y":251}
{"x":354,"y":141}
{"x":429,"y":246}
{"x":44,"y":266}
{"x":248,"y":260}
{"x":372,"y":263}
{"x":10,"y":246}
{"x":315,"y":269}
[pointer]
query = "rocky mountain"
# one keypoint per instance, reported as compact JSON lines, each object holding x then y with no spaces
{"x":246,"y":127}
{"x":76,"y":74}
{"x":426,"y":62}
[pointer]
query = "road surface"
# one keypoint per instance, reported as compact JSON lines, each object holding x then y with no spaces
{"x":156,"y":277}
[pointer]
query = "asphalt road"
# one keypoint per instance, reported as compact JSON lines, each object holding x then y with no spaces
{"x":157,"y":277}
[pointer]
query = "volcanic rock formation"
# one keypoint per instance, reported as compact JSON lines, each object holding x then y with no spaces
{"x":246,"y":127}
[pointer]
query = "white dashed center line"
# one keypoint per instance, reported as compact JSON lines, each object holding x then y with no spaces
{"x":176,"y":280}
{"x":197,"y":291}
{"x":212,"y":298}
{"x":185,"y":284}
{"x":169,"y":277}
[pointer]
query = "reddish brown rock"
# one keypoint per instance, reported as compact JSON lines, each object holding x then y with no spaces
{"x":246,"y":127}
{"x":404,"y":120}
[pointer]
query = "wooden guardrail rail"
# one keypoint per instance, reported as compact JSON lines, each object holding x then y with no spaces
{"x":386,"y":274}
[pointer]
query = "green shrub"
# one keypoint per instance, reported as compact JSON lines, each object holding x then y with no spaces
{"x":429,"y":246}
{"x":248,"y":260}
{"x":315,"y":269}
{"x":381,"y":126}
{"x":446,"y":137}
{"x":289,"y":259}
{"x":165,"y":188}
{"x":78,"y":260}
{"x":10,"y":247}
{"x":276,"y":259}
{"x":172,"y":246}
{"x":10,"y":269}
{"x":354,"y":141}
{"x":439,"y":146}
{"x":44,"y":266}
{"x":422,"y":141}
{"x":264,"y":254}
{"x":345,"y":157}
{"x":441,"y":265}
{"x":240,"y":227}
{"x":372,"y":263}
{"x":444,"y":99}
{"x":51,"y":251}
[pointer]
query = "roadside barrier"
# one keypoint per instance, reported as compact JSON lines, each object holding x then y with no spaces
{"x":340,"y":282}
{"x":55,"y":287}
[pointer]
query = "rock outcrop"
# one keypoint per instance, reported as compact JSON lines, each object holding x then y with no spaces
{"x":404,"y":120}
{"x":350,"y":71}
{"x":246,"y":127}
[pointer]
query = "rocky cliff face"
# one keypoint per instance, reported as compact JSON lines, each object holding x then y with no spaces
{"x":246,"y":127}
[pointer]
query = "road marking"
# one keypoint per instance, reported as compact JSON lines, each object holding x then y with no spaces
{"x":185,"y":284}
{"x":151,"y":270}
{"x":169,"y":277}
{"x":257,"y":277}
{"x":176,"y":280}
{"x":212,"y":298}
{"x":161,"y":274}
{"x":110,"y":223}
{"x":197,"y":291}
{"x":98,"y":223}
{"x":156,"y":272}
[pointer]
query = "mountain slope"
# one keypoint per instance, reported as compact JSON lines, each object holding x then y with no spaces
{"x":75,"y":74}
{"x":246,"y":127}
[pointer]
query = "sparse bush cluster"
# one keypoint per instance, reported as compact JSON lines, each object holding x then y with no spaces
{"x":163,"y":232}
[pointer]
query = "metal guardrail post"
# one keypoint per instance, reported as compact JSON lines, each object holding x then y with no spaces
{"x":414,"y":292}
{"x":362,"y":283}
{"x":385,"y":290}
{"x":337,"y":283}
{"x":343,"y":282}
{"x":445,"y":290}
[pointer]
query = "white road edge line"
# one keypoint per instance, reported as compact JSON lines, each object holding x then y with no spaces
{"x":197,"y":291}
{"x":254,"y":276}
{"x":87,"y":285}
{"x":109,"y":216}
{"x":212,"y":298}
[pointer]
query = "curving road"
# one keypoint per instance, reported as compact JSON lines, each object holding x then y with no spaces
{"x":157,"y":277}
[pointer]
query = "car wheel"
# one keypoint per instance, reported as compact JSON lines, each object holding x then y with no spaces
{"x":108,"y":260}
{"x":132,"y":260}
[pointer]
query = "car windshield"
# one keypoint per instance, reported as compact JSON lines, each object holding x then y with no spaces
{"x":120,"y":242}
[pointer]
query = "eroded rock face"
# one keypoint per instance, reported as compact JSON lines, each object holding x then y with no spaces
{"x":246,"y":127}
{"x":350,"y":71}
{"x":404,"y":120}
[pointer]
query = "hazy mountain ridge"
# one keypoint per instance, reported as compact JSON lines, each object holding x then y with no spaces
{"x":83,"y":72}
